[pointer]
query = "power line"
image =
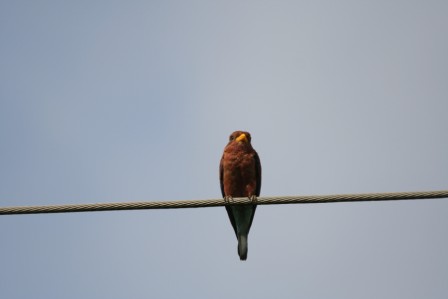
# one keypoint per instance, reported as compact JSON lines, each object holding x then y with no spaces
{"x":272,"y":200}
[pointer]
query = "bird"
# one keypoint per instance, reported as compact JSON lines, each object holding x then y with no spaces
{"x":240,"y":176}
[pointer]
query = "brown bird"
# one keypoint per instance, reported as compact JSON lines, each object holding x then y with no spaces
{"x":240,"y":176}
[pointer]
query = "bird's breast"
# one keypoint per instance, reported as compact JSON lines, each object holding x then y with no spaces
{"x":239,"y":175}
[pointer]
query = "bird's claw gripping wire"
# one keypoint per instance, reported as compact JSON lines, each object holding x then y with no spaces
{"x":253,"y":199}
{"x":228,"y":199}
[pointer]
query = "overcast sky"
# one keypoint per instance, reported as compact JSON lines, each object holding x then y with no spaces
{"x":115,"y":101}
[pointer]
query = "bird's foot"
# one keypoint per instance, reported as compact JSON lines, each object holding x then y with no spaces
{"x":228,"y":199}
{"x":253,"y":199}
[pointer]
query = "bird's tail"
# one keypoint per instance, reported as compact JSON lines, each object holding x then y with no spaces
{"x":242,"y":247}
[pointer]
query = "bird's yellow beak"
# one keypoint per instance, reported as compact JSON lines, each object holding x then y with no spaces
{"x":242,"y":138}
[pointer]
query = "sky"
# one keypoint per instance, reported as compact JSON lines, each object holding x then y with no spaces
{"x":118,"y":101}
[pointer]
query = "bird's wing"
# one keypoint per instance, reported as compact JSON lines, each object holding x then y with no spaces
{"x":232,"y":219}
{"x":221,"y":178}
{"x":257,"y":174}
{"x":258,"y":182}
{"x":228,"y":209}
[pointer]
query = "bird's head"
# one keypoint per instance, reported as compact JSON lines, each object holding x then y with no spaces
{"x":240,"y":138}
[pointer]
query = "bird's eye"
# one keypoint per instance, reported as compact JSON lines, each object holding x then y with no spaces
{"x":231,"y":137}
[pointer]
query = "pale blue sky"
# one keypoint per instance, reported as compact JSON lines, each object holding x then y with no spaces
{"x":104,"y":101}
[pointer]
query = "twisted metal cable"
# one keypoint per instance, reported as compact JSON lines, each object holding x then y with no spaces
{"x":220,"y":202}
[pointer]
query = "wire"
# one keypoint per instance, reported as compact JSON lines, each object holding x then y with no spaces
{"x":220,"y":202}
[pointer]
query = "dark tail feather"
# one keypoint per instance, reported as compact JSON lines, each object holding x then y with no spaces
{"x":242,"y":247}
